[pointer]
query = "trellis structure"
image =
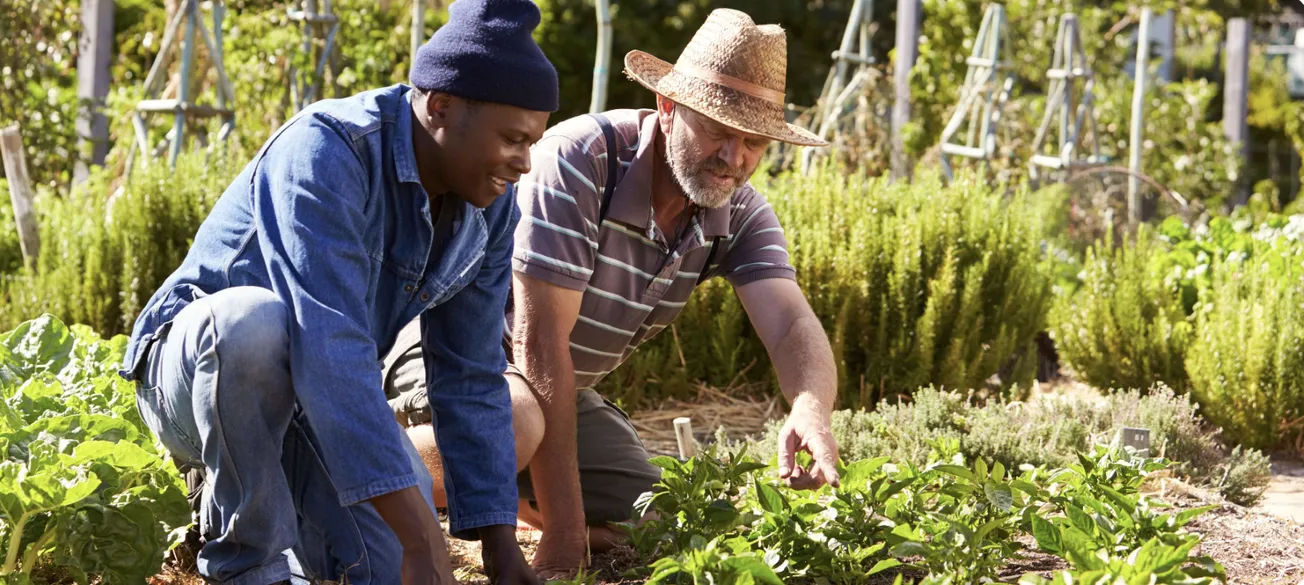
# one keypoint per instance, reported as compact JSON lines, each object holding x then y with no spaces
{"x":987,"y":86}
{"x":318,"y":23}
{"x":1068,"y":67}
{"x":183,"y":108}
{"x":838,"y":91}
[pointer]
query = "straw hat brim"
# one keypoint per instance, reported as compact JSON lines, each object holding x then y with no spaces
{"x":649,"y":71}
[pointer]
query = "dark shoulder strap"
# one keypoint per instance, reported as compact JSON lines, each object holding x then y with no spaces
{"x":710,"y":258}
{"x":613,"y":165}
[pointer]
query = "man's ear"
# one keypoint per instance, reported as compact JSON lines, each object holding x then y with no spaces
{"x":665,"y":112}
{"x":438,"y":105}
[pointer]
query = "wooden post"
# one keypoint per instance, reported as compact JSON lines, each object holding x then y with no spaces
{"x":684,"y":436}
{"x":20,"y":193}
{"x":1235,"y":91}
{"x":1138,"y":117}
{"x":95,"y":54}
{"x":907,"y":50}
{"x":418,"y":30}
{"x":602,"y":60}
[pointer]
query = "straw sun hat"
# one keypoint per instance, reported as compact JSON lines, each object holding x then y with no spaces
{"x":733,"y":72}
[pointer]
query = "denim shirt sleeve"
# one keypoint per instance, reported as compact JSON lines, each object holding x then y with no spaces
{"x":469,"y":397}
{"x":309,"y":198}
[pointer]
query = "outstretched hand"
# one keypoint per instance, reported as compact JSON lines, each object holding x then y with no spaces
{"x":808,"y":430}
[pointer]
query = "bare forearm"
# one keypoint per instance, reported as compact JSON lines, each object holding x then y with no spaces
{"x":803,"y":359}
{"x":555,"y":469}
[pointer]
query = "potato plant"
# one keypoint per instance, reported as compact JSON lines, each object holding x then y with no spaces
{"x":724,"y":518}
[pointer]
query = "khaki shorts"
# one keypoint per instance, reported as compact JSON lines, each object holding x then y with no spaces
{"x":613,"y":463}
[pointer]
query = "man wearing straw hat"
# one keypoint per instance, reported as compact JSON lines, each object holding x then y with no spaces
{"x":623,"y":215}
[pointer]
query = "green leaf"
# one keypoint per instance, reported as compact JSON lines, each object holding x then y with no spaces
{"x":1080,"y":519}
{"x":858,"y":474}
{"x":998,"y":471}
{"x":957,"y":471}
{"x":664,"y":462}
{"x":987,"y":528}
{"x":883,"y":565}
{"x":751,"y":565}
{"x":1128,"y":504}
{"x":999,"y":495}
{"x":1186,"y":516}
{"x":1047,"y":535}
{"x":770,"y":499}
{"x":980,"y":469}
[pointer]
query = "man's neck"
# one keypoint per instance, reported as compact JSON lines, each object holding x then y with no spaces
{"x":426,"y":151}
{"x":668,"y":199}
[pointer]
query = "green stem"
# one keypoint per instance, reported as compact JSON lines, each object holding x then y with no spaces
{"x":29,"y":559}
{"x":15,"y":539}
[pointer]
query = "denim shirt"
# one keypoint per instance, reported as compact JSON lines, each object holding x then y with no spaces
{"x":332,"y":217}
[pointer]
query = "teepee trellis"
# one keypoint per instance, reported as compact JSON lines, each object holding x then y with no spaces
{"x":315,"y":18}
{"x":183,"y":107}
{"x":1068,"y":66}
{"x":987,"y":85}
{"x":838,"y":91}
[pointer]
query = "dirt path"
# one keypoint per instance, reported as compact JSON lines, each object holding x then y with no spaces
{"x":1285,"y":495}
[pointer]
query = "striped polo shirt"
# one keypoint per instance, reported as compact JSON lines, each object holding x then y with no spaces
{"x":635,"y":280}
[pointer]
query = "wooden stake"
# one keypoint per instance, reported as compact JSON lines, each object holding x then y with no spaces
{"x":907,"y":50}
{"x":1138,"y":117}
{"x":684,"y":436}
{"x":20,"y":193}
{"x":1236,"y":91}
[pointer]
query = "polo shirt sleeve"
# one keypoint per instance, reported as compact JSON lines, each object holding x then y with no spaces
{"x":757,"y":249}
{"x":557,"y":239}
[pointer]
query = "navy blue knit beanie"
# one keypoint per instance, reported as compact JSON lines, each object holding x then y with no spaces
{"x":485,"y":53}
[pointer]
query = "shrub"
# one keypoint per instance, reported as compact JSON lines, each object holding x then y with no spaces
{"x":100,"y":261}
{"x":11,"y":251}
{"x":1247,"y":361}
{"x":915,"y":284}
{"x":1047,"y":431}
{"x":1123,"y":328}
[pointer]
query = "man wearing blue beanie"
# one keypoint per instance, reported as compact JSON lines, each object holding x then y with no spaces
{"x":258,"y":360}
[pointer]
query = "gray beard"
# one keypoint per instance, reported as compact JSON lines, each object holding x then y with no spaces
{"x":690,"y":179}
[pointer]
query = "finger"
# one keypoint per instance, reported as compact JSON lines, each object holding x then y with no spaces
{"x":826,"y":460}
{"x":787,"y":451}
{"x":802,"y":479}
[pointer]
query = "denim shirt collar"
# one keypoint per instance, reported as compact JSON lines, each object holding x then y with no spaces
{"x":405,"y":156}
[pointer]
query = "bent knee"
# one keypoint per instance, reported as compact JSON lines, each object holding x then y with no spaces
{"x":527,"y":420}
{"x":251,"y":322}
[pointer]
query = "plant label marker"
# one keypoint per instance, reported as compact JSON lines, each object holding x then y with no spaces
{"x":1138,"y":439}
{"x":684,"y":436}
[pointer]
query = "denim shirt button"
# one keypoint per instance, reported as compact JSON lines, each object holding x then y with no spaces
{"x":407,"y":288}
{"x":425,"y":296}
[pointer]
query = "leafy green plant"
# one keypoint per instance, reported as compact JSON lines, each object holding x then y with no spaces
{"x":103,"y":258}
{"x":82,"y":484}
{"x":1247,"y":362}
{"x":1154,"y":562}
{"x":1124,"y":328}
{"x":715,"y":563}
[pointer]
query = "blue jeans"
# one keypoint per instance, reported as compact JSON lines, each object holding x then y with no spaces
{"x":216,"y":391}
